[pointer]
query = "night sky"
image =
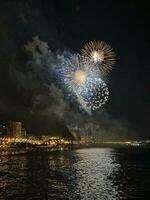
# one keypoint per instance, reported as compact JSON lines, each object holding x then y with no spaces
{"x":28,"y":91}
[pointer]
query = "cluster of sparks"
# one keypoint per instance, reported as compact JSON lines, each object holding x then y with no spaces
{"x":99,"y":54}
{"x":81,"y":75}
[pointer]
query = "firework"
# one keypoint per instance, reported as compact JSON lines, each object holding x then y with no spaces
{"x":83,"y":81}
{"x":99,"y":54}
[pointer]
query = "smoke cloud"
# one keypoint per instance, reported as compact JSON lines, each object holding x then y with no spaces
{"x":29,"y":93}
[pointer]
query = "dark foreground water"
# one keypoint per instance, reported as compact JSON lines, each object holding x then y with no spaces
{"x":89,"y":174}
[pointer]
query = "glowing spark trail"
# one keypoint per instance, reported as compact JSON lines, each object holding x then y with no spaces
{"x":83,"y":81}
{"x":99,"y":54}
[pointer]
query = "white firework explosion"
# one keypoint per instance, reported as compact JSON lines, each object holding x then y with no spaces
{"x":99,"y":54}
{"x":84,"y":82}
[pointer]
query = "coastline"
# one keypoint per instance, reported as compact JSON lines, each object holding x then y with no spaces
{"x":15,"y":150}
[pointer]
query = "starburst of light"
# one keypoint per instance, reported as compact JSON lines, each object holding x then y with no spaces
{"x":83,"y":81}
{"x":99,"y":54}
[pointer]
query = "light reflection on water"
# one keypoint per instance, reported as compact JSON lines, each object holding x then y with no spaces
{"x":95,"y":171}
{"x":84,"y":174}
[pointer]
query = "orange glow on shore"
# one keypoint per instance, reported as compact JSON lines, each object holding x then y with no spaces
{"x":45,"y":141}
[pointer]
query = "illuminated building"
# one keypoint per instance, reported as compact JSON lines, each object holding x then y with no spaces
{"x":3,"y":130}
{"x":14,"y":129}
{"x":23,"y":132}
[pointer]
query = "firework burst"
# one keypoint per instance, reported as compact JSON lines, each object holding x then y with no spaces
{"x":98,"y":54}
{"x":83,"y":81}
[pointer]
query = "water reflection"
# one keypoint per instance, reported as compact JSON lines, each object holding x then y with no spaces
{"x":12,"y":176}
{"x":95,"y":171}
{"x":81,"y":174}
{"x":84,"y":174}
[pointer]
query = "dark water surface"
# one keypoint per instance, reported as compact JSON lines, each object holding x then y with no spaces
{"x":87,"y":174}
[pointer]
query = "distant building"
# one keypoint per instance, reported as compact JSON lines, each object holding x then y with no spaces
{"x":23,"y":132}
{"x":3,"y":129}
{"x":14,"y":129}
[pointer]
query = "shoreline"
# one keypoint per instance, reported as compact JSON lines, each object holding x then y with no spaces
{"x":15,"y":150}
